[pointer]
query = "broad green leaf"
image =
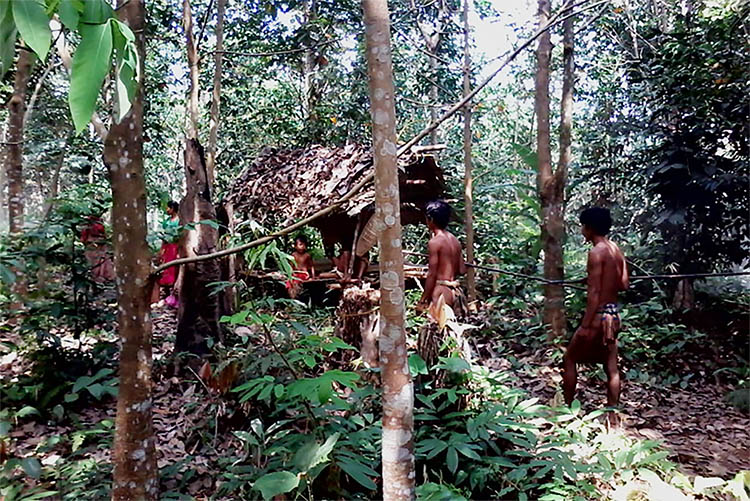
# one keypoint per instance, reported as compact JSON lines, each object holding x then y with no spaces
{"x":8,"y":34}
{"x":273,"y":484}
{"x":452,"y":459}
{"x":32,"y":467}
{"x":33,"y":25}
{"x":4,"y":428}
{"x":6,"y":274}
{"x":69,"y":14}
{"x":91,"y":63}
{"x":4,"y":8}
{"x":359,"y":472}
{"x":96,"y":12}
{"x":417,"y":365}
{"x":26,"y":411}
{"x":96,"y":390}
{"x":312,"y":454}
{"x":209,"y":222}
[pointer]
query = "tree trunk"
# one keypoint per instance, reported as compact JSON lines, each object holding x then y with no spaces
{"x":216,"y":94}
{"x":468,"y":180}
{"x":3,"y":181}
{"x":198,"y":313}
{"x":54,"y":188}
{"x":14,"y":156}
{"x":554,"y":298}
{"x":135,"y":470}
{"x":192,"y":57}
{"x":309,"y":92}
{"x":431,"y":34}
{"x":398,"y":392}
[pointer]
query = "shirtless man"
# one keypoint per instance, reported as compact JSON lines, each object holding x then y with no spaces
{"x":445,"y":261}
{"x":595,"y":341}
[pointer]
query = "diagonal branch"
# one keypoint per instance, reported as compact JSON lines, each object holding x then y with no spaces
{"x":554,"y":20}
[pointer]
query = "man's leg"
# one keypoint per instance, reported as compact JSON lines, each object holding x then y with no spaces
{"x":613,"y":376}
{"x":570,"y":372}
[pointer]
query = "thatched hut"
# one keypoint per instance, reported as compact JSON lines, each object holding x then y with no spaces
{"x":283,"y":186}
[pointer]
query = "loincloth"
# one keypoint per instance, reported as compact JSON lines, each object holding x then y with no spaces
{"x":460,"y":305}
{"x":610,"y":309}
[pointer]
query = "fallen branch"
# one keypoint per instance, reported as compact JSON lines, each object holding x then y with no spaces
{"x":554,"y":20}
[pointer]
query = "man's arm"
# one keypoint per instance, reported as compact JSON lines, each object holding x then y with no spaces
{"x":433,"y":250}
{"x":593,"y":289}
{"x":625,"y":279}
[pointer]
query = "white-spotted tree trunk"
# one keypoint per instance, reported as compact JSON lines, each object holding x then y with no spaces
{"x":398,"y":391}
{"x":135,"y":470}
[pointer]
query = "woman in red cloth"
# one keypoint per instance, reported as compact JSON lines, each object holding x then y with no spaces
{"x":169,"y":252}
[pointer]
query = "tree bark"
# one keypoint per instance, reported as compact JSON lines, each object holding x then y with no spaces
{"x":192,"y":57}
{"x":398,"y":391}
{"x":14,"y":155}
{"x":468,"y":180}
{"x":198,"y":313}
{"x":135,"y":470}
{"x":551,"y":226}
{"x":309,"y":92}
{"x":216,"y":94}
{"x":431,"y":35}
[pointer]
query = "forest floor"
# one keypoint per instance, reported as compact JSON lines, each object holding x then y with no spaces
{"x":704,"y":434}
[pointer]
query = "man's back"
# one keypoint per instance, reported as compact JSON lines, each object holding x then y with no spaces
{"x":448,"y":250}
{"x":612,"y":273}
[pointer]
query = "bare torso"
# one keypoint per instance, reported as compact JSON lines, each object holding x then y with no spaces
{"x":446,"y":261}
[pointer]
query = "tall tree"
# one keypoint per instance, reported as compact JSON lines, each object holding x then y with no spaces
{"x":431,"y":31}
{"x":198,"y":313}
{"x":135,"y":471}
{"x":14,"y":155}
{"x":552,"y":224}
{"x":468,"y":179}
{"x":214,"y":114}
{"x":398,"y":391}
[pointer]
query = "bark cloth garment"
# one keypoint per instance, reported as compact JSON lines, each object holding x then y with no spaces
{"x":434,"y":334}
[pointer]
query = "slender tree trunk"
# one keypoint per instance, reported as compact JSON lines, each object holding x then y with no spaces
{"x":192,"y":57}
{"x":468,"y":180}
{"x":551,"y":228}
{"x":198,"y":313}
{"x":135,"y":471}
{"x":216,"y":94}
{"x":431,"y":34}
{"x":54,"y":188}
{"x":14,"y":156}
{"x":309,"y":97}
{"x":398,"y":391}
{"x":3,"y":180}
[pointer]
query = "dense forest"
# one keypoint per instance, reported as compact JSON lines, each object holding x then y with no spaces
{"x":431,"y":249}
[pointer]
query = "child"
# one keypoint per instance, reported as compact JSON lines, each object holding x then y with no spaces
{"x":303,"y":266}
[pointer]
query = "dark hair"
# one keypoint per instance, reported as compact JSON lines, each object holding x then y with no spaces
{"x":438,"y":212}
{"x":598,"y":219}
{"x":301,"y":238}
{"x":173,"y":205}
